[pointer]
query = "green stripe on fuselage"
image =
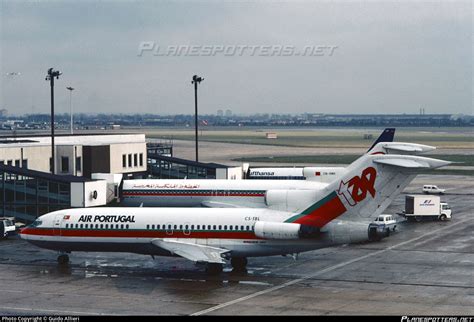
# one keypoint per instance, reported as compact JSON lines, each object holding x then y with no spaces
{"x":312,"y":208}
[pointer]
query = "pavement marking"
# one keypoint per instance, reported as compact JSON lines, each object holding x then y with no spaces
{"x":326,"y":270}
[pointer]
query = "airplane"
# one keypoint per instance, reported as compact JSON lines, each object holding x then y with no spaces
{"x":340,"y":213}
{"x":223,"y":193}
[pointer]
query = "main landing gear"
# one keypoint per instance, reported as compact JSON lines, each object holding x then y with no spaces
{"x":213,"y":268}
{"x":63,"y":259}
{"x":239,"y":264}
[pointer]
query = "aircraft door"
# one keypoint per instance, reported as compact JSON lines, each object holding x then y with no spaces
{"x":187,"y":229}
{"x":57,"y":225}
{"x":169,"y":229}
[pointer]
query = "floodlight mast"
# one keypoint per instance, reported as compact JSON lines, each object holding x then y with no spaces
{"x":50,"y":77}
{"x":70,"y":107}
{"x":196,"y":80}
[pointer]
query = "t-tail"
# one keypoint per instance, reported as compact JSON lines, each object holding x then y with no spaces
{"x":386,"y":136}
{"x":365,"y":190}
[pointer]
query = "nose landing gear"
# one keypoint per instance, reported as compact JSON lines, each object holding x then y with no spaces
{"x":63,"y":259}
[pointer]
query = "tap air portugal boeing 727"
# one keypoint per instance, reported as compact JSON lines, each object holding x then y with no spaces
{"x":338,"y":213}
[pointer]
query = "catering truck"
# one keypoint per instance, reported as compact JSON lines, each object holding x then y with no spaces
{"x":421,"y":207}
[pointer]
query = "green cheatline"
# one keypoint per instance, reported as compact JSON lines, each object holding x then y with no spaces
{"x":312,"y":208}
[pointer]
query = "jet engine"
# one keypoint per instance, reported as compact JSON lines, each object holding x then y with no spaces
{"x":344,"y":232}
{"x":279,"y":230}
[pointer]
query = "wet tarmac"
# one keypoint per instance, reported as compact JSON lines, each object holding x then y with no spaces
{"x":425,"y":268}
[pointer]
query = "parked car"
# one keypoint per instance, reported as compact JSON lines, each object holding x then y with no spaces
{"x":429,"y":188}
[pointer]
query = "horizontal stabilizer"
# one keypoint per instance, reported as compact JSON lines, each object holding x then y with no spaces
{"x":191,"y":251}
{"x":412,"y":162}
{"x":408,"y":147}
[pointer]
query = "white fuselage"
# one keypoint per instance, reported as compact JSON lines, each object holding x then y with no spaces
{"x":134,"y":229}
{"x":195,"y":193}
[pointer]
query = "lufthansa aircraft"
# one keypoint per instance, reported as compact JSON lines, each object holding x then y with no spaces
{"x":339,"y":213}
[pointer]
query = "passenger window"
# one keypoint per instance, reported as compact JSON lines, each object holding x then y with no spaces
{"x":247,"y":228}
{"x":147,"y":226}
{"x":106,"y":226}
{"x":101,"y":226}
{"x":126,"y":226}
{"x":220,"y":227}
{"x":67,"y":225}
{"x":186,"y":227}
{"x":158,"y":227}
{"x":230,"y":227}
{"x":241,"y":227}
{"x":214,"y":227}
{"x":152,"y":226}
{"x":81,"y":225}
{"x":225,"y":227}
{"x":121,"y":226}
{"x":192,"y":227}
{"x":175,"y":227}
{"x":169,"y":227}
{"x":180,"y":227}
{"x":198,"y":227}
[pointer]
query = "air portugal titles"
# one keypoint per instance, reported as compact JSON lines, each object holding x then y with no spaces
{"x":107,"y":218}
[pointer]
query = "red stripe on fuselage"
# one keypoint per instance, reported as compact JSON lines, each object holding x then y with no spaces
{"x":324,"y":214}
{"x":137,"y":233}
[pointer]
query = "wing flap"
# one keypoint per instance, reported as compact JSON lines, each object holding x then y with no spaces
{"x":191,"y":251}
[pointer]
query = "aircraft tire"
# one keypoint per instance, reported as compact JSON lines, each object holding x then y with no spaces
{"x":239,"y":264}
{"x":63,"y":259}
{"x":214,"y":269}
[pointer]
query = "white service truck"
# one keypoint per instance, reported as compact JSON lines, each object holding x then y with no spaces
{"x":7,"y":227}
{"x":421,"y":207}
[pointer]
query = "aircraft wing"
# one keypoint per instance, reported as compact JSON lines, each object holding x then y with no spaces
{"x":191,"y":251}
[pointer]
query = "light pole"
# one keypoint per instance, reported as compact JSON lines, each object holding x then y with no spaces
{"x":70,"y":106}
{"x":50,"y":77}
{"x":196,"y":80}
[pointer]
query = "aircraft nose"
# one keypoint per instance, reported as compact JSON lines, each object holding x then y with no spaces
{"x":24,"y":232}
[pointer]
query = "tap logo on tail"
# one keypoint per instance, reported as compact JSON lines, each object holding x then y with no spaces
{"x":355,"y":190}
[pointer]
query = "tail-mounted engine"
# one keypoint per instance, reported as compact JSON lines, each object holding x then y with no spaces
{"x":278,"y":230}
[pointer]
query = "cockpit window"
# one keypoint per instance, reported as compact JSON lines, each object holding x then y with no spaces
{"x":36,"y":223}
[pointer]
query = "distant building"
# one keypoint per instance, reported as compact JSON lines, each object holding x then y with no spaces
{"x":220,"y":113}
{"x":228,"y":113}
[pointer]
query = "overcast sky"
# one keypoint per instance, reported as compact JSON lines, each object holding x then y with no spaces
{"x":387,"y":57}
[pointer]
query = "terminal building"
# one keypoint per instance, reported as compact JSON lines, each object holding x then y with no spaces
{"x":78,"y":155}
